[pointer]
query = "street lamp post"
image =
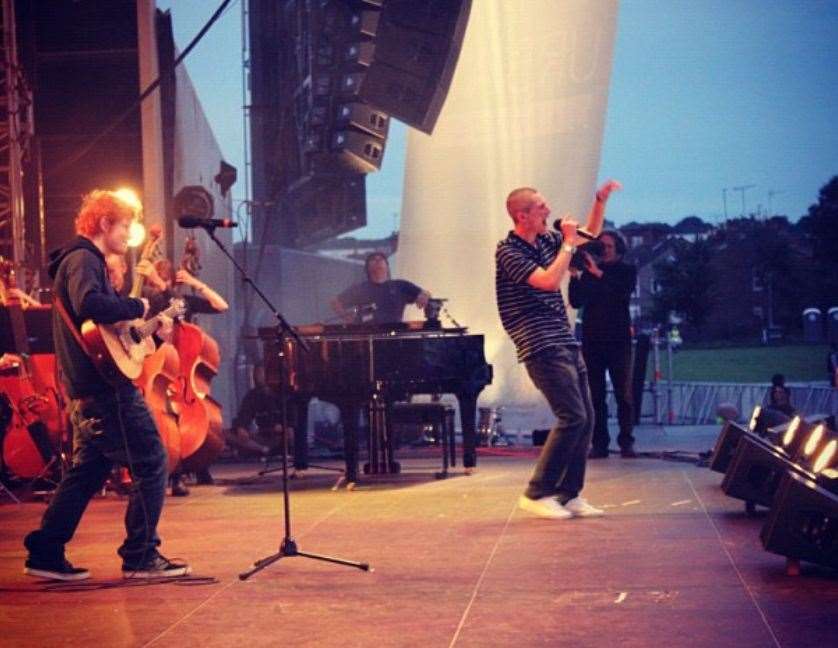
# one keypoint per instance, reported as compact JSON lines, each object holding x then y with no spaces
{"x":742,"y":189}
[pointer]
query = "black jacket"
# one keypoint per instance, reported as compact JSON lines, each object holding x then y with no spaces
{"x":80,"y":281}
{"x":606,"y":301}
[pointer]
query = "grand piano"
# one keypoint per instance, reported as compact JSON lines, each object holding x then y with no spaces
{"x":374,"y":366}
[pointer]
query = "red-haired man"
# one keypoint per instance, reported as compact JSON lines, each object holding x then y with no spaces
{"x":111,"y":423}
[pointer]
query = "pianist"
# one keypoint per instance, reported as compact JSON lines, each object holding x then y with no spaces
{"x":379,"y":299}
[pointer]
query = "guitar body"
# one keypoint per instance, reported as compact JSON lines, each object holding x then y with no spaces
{"x":158,"y":382}
{"x":120,"y":349}
{"x":199,"y":414}
{"x":114,"y":351}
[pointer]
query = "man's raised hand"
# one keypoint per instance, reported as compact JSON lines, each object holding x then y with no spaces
{"x":605,"y":190}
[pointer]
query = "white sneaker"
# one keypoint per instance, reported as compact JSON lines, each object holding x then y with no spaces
{"x":547,"y":507}
{"x":579,"y":507}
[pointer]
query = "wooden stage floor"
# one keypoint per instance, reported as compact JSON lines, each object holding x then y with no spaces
{"x":674,"y":563}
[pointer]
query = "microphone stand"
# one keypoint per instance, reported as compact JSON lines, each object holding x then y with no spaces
{"x":288,"y":546}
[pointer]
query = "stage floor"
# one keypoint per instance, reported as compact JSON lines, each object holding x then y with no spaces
{"x":674,"y":563}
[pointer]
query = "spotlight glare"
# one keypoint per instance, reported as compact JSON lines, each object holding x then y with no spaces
{"x":813,"y":440}
{"x":130,"y":197}
{"x":753,"y":424}
{"x":791,"y":430}
{"x":136,"y":234}
{"x":825,"y":457}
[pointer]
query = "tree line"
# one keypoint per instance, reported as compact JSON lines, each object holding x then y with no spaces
{"x":752,"y":273}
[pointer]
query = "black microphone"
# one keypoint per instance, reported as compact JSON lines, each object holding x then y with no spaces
{"x":188,"y":222}
{"x":557,"y":225}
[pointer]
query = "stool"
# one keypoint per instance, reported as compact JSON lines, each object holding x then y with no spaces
{"x":436,"y":415}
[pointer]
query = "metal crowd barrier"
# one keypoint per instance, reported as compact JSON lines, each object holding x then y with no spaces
{"x":696,"y":403}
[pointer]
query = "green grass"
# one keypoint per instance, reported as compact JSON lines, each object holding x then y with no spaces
{"x":746,"y":364}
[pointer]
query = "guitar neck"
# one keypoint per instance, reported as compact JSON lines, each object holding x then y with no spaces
{"x":150,"y":325}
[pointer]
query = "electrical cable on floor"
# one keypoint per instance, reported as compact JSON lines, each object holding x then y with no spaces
{"x":116,"y":583}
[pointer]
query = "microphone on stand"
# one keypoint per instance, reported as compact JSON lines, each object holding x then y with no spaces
{"x":557,"y":225}
{"x":189,"y":222}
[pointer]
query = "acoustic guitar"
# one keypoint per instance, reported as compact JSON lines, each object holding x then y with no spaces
{"x":118,"y":350}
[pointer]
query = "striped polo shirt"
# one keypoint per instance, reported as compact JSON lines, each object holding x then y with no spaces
{"x":535,"y":319}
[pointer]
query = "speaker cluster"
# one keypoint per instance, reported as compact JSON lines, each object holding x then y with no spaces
{"x":345,"y":68}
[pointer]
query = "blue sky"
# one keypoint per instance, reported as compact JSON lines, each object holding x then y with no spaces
{"x":705,"y":95}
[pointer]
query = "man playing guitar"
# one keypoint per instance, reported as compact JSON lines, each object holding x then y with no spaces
{"x":111,"y":423}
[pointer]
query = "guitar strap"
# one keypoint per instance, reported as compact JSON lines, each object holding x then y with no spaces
{"x":69,"y":323}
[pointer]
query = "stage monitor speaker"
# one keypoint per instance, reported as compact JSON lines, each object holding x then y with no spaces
{"x":417,"y":45}
{"x":755,"y":471}
{"x":726,"y":444}
{"x":322,"y":206}
{"x":803,"y":522}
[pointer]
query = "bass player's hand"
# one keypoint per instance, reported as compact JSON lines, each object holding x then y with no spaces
{"x":166,"y":329}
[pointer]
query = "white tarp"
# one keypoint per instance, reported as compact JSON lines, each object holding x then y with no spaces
{"x":526,"y":107}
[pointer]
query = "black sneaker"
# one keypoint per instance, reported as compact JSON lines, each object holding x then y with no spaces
{"x":158,"y":567}
{"x":54,"y":569}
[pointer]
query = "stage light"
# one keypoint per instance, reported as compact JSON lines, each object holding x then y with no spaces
{"x":803,"y":522}
{"x":752,"y":424}
{"x":129,"y":196}
{"x":799,"y":432}
{"x":813,"y":441}
{"x":791,"y":430}
{"x":826,"y":457}
{"x":136,"y":234}
{"x":226,"y":177}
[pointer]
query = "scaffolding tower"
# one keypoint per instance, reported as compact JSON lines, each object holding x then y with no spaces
{"x":15,"y":135}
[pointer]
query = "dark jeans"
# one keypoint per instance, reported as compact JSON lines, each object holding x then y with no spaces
{"x":112,"y":428}
{"x":614,"y":357}
{"x":560,"y":374}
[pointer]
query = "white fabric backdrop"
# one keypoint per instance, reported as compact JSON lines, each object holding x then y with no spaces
{"x":526,"y":107}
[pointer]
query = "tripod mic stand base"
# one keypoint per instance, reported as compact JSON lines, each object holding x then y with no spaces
{"x":289,"y":549}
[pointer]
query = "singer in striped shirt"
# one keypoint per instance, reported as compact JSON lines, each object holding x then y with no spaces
{"x":531,"y":263}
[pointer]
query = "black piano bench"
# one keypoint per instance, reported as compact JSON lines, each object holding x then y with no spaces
{"x":437,"y":416}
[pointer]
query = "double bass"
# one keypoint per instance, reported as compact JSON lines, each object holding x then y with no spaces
{"x":160,"y":375}
{"x":29,"y":445}
{"x":199,"y":415}
{"x":31,"y":422}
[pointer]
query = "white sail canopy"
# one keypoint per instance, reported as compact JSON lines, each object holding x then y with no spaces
{"x":526,"y":108}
